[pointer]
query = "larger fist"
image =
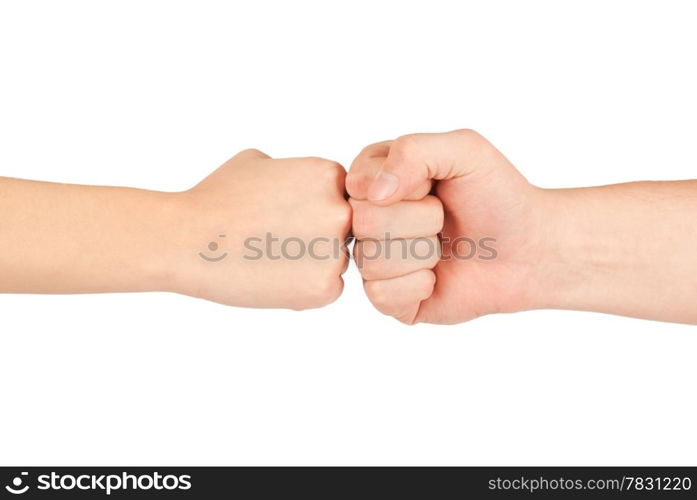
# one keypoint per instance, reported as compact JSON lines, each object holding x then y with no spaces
{"x":447,"y":228}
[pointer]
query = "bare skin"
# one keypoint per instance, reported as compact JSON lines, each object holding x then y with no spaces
{"x":626,"y":249}
{"x":59,"y":238}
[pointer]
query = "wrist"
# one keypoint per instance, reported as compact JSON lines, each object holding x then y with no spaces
{"x":204,"y":242}
{"x":157,"y":224}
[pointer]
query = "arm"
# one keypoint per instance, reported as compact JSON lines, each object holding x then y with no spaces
{"x":60,"y":238}
{"x":628,"y":249}
{"x":57,"y":238}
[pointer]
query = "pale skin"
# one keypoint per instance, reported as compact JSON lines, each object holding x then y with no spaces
{"x":627,"y":249}
{"x":59,"y":238}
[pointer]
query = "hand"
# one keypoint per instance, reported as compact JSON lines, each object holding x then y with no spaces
{"x":479,"y":195}
{"x":260,"y":232}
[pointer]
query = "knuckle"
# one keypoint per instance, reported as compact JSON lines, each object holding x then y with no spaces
{"x":466,"y":132}
{"x":367,"y":272}
{"x":366,"y":150}
{"x":366,"y":255}
{"x":406,"y":145}
{"x":438,"y":251}
{"x":437,"y":211}
{"x":434,"y":202}
{"x":315,"y":161}
{"x":336,"y":168}
{"x":473,"y":138}
{"x":371,"y":270}
{"x":251,"y":151}
{"x":353,"y":183}
{"x":427,"y":251}
{"x":424,"y":288}
{"x":344,"y":214}
{"x":378,"y":295}
{"x":334,"y":173}
{"x":323,"y":291}
{"x":329,"y":166}
{"x":330,"y":289}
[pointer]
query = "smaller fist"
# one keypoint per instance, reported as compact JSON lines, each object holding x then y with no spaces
{"x":266,"y":233}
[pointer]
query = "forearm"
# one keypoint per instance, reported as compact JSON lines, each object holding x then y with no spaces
{"x":59,"y":238}
{"x":628,"y":249}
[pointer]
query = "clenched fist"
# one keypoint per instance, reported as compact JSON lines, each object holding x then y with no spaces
{"x":454,"y":193}
{"x":266,"y":233}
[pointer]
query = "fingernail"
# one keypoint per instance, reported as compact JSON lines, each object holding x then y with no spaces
{"x":384,"y":186}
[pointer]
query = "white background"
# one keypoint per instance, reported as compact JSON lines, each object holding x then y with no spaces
{"x":158,"y":94}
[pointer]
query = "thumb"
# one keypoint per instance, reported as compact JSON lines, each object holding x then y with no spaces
{"x":418,"y":158}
